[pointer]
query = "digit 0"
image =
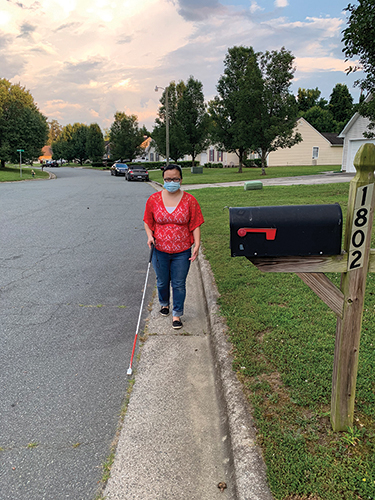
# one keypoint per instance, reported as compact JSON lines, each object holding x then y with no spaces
{"x":361,"y":240}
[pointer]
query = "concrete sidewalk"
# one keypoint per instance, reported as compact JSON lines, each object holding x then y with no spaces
{"x":188,"y":426}
{"x":323,"y":178}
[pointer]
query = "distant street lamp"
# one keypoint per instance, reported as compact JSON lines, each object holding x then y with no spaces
{"x":20,"y":151}
{"x":166,"y":120}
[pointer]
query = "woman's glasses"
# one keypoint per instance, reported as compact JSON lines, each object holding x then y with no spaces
{"x":175,"y":179}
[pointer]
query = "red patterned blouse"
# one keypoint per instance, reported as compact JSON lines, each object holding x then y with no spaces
{"x":173,"y":232}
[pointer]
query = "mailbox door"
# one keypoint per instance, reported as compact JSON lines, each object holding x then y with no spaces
{"x":278,"y":231}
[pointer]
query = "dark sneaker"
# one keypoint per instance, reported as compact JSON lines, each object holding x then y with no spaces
{"x":164,"y":311}
{"x":177,"y":324}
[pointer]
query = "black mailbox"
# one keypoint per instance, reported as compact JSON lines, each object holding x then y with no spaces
{"x":294,"y":230}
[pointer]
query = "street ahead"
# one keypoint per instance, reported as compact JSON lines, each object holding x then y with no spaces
{"x":73,"y":260}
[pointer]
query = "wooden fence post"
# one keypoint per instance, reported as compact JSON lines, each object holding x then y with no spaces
{"x":353,"y":284}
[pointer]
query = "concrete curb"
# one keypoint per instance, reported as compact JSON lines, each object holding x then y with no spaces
{"x":249,"y":467}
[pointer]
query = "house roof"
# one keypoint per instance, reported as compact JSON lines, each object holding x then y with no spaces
{"x":146,"y":143}
{"x":47,"y":151}
{"x":334,"y":139}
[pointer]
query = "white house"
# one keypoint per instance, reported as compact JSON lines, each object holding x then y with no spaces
{"x":353,"y":139}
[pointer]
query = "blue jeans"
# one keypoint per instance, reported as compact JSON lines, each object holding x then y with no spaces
{"x":172,"y":268}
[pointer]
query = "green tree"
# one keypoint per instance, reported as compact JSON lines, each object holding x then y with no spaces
{"x":235,"y":110}
{"x":106,"y":133}
{"x":279,"y":109}
{"x":321,"y":119}
{"x":62,"y":148}
{"x":72,"y":143}
{"x":308,"y":98}
{"x":125,"y":136}
{"x":358,"y":39}
{"x":95,"y":143}
{"x":341,"y":103}
{"x":79,"y":142}
{"x":193,"y":119}
{"x":255,"y":110}
{"x":176,"y":136}
{"x":55,"y":130}
{"x":22,"y":126}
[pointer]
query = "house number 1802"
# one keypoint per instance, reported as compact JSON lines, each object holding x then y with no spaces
{"x":360,"y":226}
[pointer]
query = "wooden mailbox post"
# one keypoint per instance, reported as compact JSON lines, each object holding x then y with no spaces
{"x":347,"y":303}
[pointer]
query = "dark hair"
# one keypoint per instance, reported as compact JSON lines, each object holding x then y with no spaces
{"x":172,"y":167}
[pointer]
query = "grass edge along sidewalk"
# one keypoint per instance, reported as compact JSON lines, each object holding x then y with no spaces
{"x":283,"y":343}
{"x":216,"y":175}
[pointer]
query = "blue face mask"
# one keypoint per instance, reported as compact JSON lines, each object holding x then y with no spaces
{"x":172,"y":187}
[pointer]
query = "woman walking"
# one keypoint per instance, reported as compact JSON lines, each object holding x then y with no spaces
{"x":172,"y":222}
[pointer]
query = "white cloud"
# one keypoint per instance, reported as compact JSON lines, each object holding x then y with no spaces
{"x":281,"y":3}
{"x":320,"y":64}
{"x":254,"y":7}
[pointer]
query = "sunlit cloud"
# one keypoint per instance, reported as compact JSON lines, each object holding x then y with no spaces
{"x":83,"y":60}
{"x":122,"y":84}
{"x":60,"y":104}
{"x":5,"y":18}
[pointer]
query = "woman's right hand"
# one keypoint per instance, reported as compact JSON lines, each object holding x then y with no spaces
{"x":150,"y":241}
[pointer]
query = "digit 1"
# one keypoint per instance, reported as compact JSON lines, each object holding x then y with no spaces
{"x":364,"y":193}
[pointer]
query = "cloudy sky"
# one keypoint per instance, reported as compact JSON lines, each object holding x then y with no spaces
{"x":83,"y":60}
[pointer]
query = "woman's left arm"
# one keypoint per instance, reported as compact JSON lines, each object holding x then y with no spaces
{"x":197,"y":243}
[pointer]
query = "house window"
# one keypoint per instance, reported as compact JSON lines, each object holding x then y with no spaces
{"x":220,"y":156}
{"x":315,"y":153}
{"x":151,"y":156}
{"x":156,"y":156}
{"x":211,"y":155}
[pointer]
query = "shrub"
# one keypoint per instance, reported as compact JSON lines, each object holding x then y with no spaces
{"x":255,"y":163}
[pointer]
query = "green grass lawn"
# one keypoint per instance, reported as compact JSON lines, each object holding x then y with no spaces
{"x":211,"y":175}
{"x":283,"y":339}
{"x":12,"y":173}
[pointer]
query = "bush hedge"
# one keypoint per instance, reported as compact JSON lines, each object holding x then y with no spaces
{"x":213,"y":165}
{"x":101,"y":164}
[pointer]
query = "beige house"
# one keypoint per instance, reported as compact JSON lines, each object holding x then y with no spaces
{"x":316,"y":148}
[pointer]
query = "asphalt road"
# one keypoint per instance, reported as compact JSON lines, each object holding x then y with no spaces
{"x":73,"y":260}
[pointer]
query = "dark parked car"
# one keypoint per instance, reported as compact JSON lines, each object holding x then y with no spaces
{"x":137,"y":172}
{"x":119,"y":169}
{"x":52,"y":163}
